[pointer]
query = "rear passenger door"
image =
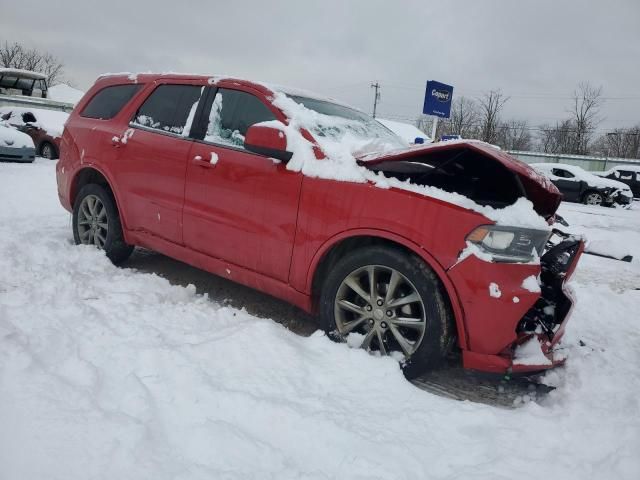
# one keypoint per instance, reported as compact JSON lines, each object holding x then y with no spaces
{"x":240,"y":207}
{"x":153,"y":159}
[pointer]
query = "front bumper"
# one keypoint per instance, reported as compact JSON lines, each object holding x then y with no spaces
{"x":622,"y":199}
{"x":22,"y":154}
{"x":496,"y":327}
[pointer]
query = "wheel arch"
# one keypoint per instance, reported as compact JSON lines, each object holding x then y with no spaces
{"x":91,"y":174}
{"x":338,"y":246}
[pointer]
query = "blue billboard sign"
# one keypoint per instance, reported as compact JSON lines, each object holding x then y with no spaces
{"x":437,"y":99}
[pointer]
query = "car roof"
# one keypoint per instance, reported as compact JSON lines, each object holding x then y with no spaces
{"x":630,"y":168}
{"x":18,"y":72}
{"x":264,"y":88}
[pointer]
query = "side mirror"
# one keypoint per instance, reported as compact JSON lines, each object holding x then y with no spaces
{"x":28,"y":117}
{"x":267,"y":140}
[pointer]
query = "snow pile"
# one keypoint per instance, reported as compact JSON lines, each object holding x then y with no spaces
{"x":10,"y":137}
{"x":51,"y":121}
{"x":110,"y":373}
{"x":406,"y":131}
{"x":530,"y":353}
{"x":65,"y":93}
{"x":531,"y":284}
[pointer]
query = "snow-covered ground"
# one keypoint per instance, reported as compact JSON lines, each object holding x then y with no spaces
{"x":111,"y":373}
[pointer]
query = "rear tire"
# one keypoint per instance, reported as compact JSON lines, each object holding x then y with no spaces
{"x":410,"y":313}
{"x":96,"y":222}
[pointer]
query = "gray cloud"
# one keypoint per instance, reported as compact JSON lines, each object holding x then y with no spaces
{"x":536,"y":52}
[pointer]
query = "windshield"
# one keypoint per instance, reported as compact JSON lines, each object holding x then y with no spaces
{"x":336,"y":122}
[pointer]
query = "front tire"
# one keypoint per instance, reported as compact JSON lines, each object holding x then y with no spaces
{"x":393,"y":302}
{"x":47,"y":150}
{"x":96,"y":222}
{"x":593,"y":198}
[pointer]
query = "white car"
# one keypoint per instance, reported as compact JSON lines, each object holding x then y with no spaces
{"x":578,"y":185}
{"x":15,"y":146}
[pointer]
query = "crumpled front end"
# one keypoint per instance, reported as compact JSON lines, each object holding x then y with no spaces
{"x":515,"y":313}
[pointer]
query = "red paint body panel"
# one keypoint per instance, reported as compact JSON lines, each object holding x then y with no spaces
{"x":242,"y":208}
{"x":491,"y":322}
{"x":247,"y":218}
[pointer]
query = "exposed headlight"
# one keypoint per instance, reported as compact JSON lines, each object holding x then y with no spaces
{"x":509,"y":244}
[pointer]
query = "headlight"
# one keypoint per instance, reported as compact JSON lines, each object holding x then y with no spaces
{"x":509,"y":244}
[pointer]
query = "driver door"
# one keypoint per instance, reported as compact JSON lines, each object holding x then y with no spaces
{"x":240,"y":207}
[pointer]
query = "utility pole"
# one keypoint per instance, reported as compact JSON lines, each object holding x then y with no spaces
{"x":376,"y":97}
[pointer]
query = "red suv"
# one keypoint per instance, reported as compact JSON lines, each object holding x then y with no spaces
{"x":409,"y":251}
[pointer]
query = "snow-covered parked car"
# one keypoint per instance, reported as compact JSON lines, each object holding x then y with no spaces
{"x":578,"y":185}
{"x":15,"y":146}
{"x":627,"y":174}
{"x":43,"y":126}
{"x":409,"y":133}
{"x":403,"y":251}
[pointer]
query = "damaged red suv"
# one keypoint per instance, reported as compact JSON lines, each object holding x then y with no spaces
{"x":410,"y":251}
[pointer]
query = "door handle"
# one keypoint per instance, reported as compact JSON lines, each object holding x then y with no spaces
{"x":202,"y":162}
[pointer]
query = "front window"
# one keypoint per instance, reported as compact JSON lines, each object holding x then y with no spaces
{"x":231,"y":115}
{"x":338,"y":123}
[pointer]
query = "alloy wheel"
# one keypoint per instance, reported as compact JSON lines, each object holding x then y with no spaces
{"x":47,"y":151}
{"x":93,"y":224}
{"x":594,"y":199}
{"x":381,"y":304}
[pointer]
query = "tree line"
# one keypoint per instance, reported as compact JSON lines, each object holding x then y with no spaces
{"x":481,"y":118}
{"x":15,"y":55}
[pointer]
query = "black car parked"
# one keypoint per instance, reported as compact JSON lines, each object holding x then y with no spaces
{"x":578,"y":185}
{"x":627,"y":174}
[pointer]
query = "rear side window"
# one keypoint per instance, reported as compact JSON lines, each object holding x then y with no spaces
{"x":232,"y":113}
{"x":562,"y":173}
{"x":109,"y":101}
{"x":170,"y":108}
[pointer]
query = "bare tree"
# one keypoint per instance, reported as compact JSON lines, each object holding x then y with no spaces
{"x":464,"y":117}
{"x":15,"y":55}
{"x":621,"y":143}
{"x":463,"y":120}
{"x":514,"y":135}
{"x":558,"y":138}
{"x":585,"y":110}
{"x":490,"y":106}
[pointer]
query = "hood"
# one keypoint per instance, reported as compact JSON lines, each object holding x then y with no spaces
{"x":613,"y":184}
{"x":537,"y":188}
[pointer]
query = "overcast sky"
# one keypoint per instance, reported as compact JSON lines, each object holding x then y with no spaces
{"x":535,"y":51}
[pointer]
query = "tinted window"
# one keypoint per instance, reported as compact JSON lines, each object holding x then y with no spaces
{"x":109,"y":101}
{"x":231,"y":115}
{"x":626,"y":175}
{"x":170,"y":108}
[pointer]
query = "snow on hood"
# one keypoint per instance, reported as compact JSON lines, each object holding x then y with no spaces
{"x":51,"y":121}
{"x":10,"y":137}
{"x":65,"y":93}
{"x":344,"y":152}
{"x":406,"y":131}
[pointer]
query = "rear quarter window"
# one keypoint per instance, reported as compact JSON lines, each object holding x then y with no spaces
{"x":109,"y":101}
